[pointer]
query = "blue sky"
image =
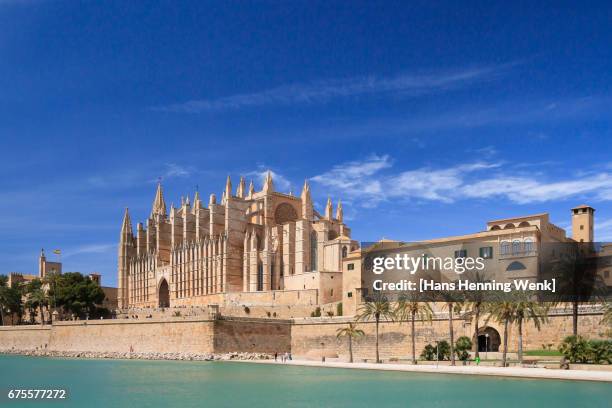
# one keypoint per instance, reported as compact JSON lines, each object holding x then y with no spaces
{"x":427,"y":119}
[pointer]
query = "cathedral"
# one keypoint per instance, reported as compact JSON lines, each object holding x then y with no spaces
{"x":248,"y":242}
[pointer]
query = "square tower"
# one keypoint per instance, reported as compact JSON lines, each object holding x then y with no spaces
{"x":582,"y":223}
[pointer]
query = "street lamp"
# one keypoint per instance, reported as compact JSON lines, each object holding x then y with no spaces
{"x":486,"y":346}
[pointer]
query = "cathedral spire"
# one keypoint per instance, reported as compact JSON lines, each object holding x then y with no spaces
{"x":228,"y":188}
{"x":240,"y":189}
{"x":306,"y":192}
{"x":268,"y":184}
{"x":126,"y":226}
{"x":307,"y":209}
{"x":328,"y":209}
{"x":159,"y":205}
{"x":339,"y":212}
{"x":251,"y":189}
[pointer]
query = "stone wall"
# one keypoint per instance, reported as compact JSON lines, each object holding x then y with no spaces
{"x":187,"y":335}
{"x":252,"y":335}
{"x":305,"y":337}
{"x":195,"y":336}
{"x":313,"y":337}
{"x":24,"y":337}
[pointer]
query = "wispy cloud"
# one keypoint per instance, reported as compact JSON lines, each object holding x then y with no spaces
{"x":281,"y":183}
{"x":480,"y":180}
{"x":323,"y":91}
{"x":90,"y":249}
{"x":175,"y":170}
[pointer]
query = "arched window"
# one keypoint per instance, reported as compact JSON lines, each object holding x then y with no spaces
{"x":524,"y":224}
{"x":516,"y":247}
{"x":509,"y":226}
{"x":515,"y":266}
{"x":528,"y":245}
{"x":344,"y":251}
{"x":495,"y":227}
{"x":313,"y":251}
{"x":505,"y":248}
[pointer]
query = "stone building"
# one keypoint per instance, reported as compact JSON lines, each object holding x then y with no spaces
{"x":247,"y":242}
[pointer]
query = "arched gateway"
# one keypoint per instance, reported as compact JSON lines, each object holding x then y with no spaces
{"x":488,"y":339}
{"x":164,"y":294}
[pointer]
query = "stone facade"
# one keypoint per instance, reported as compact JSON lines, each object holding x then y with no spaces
{"x":249,"y":242}
{"x":304,"y":338}
{"x":311,"y":338}
{"x":179,"y":335}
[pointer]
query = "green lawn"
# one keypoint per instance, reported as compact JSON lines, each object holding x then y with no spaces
{"x":548,"y":353}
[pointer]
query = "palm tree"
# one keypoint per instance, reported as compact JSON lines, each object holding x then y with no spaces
{"x":38,"y":297}
{"x":378,"y":309}
{"x":476,"y":304}
{"x":527,"y":309}
{"x":453,"y":303}
{"x":503,"y":311}
{"x":411,"y":307}
{"x":352,"y":332}
{"x":578,"y":279}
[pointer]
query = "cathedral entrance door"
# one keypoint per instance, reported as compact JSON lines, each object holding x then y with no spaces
{"x":164,"y":294}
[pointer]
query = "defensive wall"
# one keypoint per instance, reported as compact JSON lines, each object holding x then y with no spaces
{"x":304,"y":337}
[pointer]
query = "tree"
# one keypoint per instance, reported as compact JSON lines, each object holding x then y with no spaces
{"x":476,"y":304}
{"x":462,"y":348}
{"x":410,"y":307}
{"x":36,"y":298}
{"x":577,"y":277}
{"x":527,"y":309}
{"x":377,"y":309}
{"x":453,"y":303}
{"x":10,"y":299}
{"x":503,"y":311}
{"x":78,"y":294}
{"x":351,"y":332}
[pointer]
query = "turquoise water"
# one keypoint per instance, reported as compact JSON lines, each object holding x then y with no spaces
{"x":169,"y":384}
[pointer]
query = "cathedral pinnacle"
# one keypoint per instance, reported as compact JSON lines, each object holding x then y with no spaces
{"x":159,"y":205}
{"x":126,"y":226}
{"x":240,"y":189}
{"x":306,"y":191}
{"x":268,"y":183}
{"x":228,"y":188}
{"x":328,"y":209}
{"x":251,"y":189}
{"x":339,"y":212}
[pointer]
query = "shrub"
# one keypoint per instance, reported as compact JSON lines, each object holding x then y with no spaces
{"x":575,"y":349}
{"x":600,"y":351}
{"x":316,"y":313}
{"x":462,"y":348}
{"x":246,"y":309}
{"x":429,"y":353}
{"x":442,"y":352}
